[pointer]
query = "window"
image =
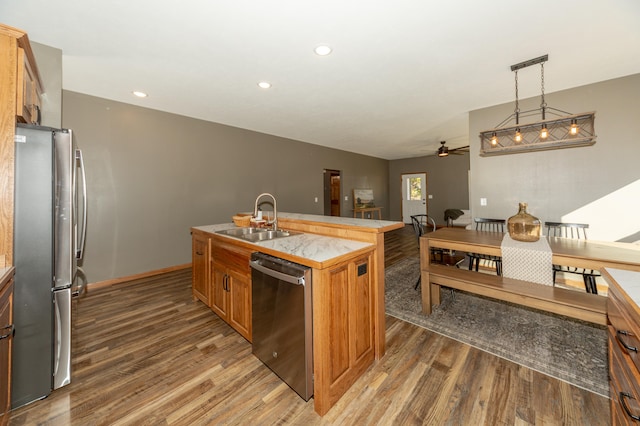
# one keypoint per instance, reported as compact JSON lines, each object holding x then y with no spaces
{"x":414,"y":189}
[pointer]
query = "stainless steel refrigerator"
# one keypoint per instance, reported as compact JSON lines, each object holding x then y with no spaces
{"x":49,"y":234}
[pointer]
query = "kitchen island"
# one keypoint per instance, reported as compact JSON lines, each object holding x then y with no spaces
{"x":347,"y":260}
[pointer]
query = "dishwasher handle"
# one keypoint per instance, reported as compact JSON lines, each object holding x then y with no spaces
{"x":292,"y":279}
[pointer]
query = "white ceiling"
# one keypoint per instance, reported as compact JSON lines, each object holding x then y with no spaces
{"x":403,"y":74}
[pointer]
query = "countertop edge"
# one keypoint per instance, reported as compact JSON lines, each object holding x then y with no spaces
{"x":628,"y":282}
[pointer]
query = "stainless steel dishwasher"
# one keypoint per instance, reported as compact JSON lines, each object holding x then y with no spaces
{"x":282,"y":320}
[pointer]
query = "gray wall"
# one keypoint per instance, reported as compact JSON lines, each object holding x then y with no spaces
{"x":447,"y":182}
{"x":599,"y":185}
{"x":152,"y":175}
{"x":49,"y":61}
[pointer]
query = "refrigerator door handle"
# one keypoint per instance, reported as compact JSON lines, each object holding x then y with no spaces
{"x":62,"y":338}
{"x":83,"y":234}
{"x":79,"y":286}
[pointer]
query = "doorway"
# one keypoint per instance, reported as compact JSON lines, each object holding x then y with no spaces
{"x":414,"y":195}
{"x":332,"y":192}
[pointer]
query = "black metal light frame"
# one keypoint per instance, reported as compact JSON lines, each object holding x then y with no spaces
{"x":565,"y":130}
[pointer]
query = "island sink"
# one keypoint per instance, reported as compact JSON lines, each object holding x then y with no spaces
{"x":256,"y":234}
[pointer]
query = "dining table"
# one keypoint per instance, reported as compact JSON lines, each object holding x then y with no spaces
{"x":587,"y":254}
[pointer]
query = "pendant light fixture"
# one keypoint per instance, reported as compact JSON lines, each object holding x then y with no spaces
{"x":518,"y":136}
{"x":564,"y":130}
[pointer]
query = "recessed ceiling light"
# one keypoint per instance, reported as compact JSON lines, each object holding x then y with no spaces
{"x":264,"y":84}
{"x":322,"y":50}
{"x":140,"y":94}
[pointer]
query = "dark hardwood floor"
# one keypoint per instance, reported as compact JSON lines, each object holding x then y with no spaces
{"x":399,"y":244}
{"x":146,"y":353}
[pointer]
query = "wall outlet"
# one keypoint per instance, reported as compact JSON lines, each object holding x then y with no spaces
{"x":430,"y":196}
{"x":315,"y":199}
{"x":483,"y":201}
{"x":346,"y":198}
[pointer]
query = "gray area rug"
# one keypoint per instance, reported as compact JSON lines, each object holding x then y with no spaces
{"x":570,"y":350}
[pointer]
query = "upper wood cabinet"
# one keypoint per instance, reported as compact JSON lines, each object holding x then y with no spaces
{"x":20,"y":88}
{"x":28,"y":90}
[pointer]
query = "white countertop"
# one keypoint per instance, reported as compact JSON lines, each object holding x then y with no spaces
{"x":629,"y":281}
{"x":314,"y":247}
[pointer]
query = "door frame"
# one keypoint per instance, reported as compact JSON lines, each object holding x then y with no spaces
{"x":327,"y":176}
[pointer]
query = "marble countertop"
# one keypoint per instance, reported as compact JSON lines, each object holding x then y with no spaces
{"x":629,"y":281}
{"x":317,"y":248}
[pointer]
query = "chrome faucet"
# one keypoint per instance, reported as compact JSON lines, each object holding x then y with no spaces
{"x":274,"y":222}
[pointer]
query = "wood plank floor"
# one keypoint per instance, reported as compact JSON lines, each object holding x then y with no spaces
{"x":146,"y":353}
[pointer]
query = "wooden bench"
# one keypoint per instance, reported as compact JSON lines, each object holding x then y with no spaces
{"x":583,"y":306}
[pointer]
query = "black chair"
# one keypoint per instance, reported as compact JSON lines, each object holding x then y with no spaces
{"x":577,"y":231}
{"x":421,"y":223}
{"x":489,"y":225}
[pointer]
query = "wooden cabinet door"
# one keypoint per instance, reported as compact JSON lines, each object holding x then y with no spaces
{"x":361,"y":311}
{"x":240,"y":302}
{"x":28,"y":92}
{"x":231,"y":294}
{"x":219,"y":301}
{"x":6,"y":320}
{"x":200,"y":264}
{"x":343,"y":329}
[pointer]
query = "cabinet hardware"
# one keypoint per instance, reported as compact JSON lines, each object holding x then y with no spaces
{"x":623,"y":398}
{"x":225,"y":282}
{"x":199,"y":253}
{"x":12,"y":330}
{"x":625,"y":333}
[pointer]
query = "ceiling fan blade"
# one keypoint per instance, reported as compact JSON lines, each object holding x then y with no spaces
{"x":460,"y":150}
{"x":443,"y":151}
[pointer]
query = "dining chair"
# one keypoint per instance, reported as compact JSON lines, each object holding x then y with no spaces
{"x":576,"y":231}
{"x":488,"y":225}
{"x":421,"y":224}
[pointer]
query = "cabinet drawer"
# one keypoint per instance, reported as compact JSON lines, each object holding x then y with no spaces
{"x":625,"y":393}
{"x":232,"y":257}
{"x":626,"y":333}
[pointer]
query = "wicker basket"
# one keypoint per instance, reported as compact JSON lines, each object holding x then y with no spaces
{"x":242,"y":220}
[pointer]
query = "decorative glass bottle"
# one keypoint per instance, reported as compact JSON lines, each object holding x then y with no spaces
{"x":523,"y":226}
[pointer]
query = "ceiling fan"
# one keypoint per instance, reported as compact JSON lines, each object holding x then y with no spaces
{"x":444,"y":151}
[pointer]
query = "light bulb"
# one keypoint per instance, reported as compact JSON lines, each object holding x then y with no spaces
{"x":322,"y":50}
{"x":494,"y":139}
{"x":518,"y":137}
{"x":573,"y":130}
{"x":544,"y":133}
